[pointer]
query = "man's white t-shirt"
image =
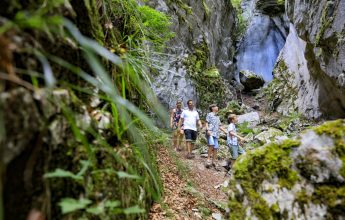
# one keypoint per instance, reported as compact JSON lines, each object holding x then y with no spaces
{"x":189,"y":119}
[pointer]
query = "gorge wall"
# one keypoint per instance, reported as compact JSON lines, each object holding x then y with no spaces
{"x":264,"y":37}
{"x":314,"y":59}
{"x":202,"y":48}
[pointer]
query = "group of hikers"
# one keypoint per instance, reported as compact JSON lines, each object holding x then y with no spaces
{"x":185,"y":122}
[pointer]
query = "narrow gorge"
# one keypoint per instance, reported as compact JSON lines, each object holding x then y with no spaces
{"x":87,"y":88}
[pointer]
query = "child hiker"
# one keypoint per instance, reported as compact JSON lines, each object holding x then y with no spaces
{"x":213,"y":127}
{"x":232,"y":139}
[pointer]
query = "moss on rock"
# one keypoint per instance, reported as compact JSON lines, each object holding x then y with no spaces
{"x":265,"y":175}
{"x":209,"y":85}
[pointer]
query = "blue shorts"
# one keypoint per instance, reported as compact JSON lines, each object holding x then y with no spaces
{"x":213,"y":141}
{"x":235,"y":151}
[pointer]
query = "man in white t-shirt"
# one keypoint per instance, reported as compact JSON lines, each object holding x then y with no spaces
{"x":190,"y":118}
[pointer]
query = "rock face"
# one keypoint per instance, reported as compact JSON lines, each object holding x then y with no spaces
{"x":314,"y":57}
{"x":203,"y":39}
{"x":302,"y":178}
{"x":264,"y":37}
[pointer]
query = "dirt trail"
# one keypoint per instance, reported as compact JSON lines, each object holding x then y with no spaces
{"x":189,"y":188}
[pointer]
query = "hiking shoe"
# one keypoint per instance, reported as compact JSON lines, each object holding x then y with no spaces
{"x":178,"y":149}
{"x":208,"y":163}
{"x":190,"y":156}
{"x":227,"y":167}
{"x":216,"y":167}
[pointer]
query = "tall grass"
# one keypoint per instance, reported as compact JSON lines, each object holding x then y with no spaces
{"x":122,"y":79}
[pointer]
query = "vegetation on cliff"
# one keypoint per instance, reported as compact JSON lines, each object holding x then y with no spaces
{"x":97,"y":55}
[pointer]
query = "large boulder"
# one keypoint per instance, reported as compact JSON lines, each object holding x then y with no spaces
{"x":301,"y":178}
{"x":253,"y":118}
{"x":268,"y":136}
{"x":251,"y":80}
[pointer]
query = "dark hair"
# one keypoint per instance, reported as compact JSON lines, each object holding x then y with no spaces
{"x":211,"y":107}
{"x":231,"y":118}
{"x":189,"y":101}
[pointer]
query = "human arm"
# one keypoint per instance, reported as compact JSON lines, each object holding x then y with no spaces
{"x":223,"y":130}
{"x":200,"y":124}
{"x":180,"y":124}
{"x":172,"y":117}
{"x":233,"y":133}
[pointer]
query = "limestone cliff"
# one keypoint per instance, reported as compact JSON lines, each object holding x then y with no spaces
{"x":204,"y":41}
{"x":264,"y":37}
{"x":314,"y":56}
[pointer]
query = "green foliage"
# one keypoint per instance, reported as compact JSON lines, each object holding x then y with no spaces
{"x":59,"y":173}
{"x":116,"y":63}
{"x":70,"y":205}
{"x":325,"y":22}
{"x":242,"y":23}
{"x":236,"y":3}
{"x":244,"y":128}
{"x":206,"y":8}
{"x":232,"y":107}
{"x":281,"y":2}
{"x":211,"y":87}
{"x":156,"y":23}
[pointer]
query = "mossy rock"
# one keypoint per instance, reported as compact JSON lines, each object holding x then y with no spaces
{"x":292,"y":179}
{"x":232,"y":107}
{"x":268,"y":136}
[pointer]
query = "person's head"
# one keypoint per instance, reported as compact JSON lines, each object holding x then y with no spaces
{"x":213,"y":108}
{"x":190,"y":104}
{"x":179,"y":104}
{"x":232,"y":118}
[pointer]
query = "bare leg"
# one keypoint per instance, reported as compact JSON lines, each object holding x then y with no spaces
{"x":214,"y":155}
{"x":232,"y":161}
{"x":174,"y":139}
{"x":210,"y":151}
{"x":188,"y":144}
{"x":179,"y":141}
{"x":190,"y":147}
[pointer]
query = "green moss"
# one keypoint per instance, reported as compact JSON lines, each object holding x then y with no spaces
{"x":280,"y":2}
{"x":325,"y":22}
{"x":333,"y":196}
{"x":281,"y":89}
{"x":275,"y":208}
{"x":336,"y":130}
{"x":182,"y":5}
{"x":212,"y":72}
{"x":302,"y":198}
{"x":232,"y":107}
{"x":210,"y":87}
{"x":262,"y":164}
{"x":206,"y":8}
{"x":236,"y":210}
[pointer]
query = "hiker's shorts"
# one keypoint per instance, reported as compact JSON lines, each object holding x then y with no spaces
{"x":213,"y":141}
{"x":235,"y":151}
{"x":190,"y":135}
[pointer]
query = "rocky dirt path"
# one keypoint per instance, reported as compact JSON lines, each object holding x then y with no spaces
{"x":190,"y":190}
